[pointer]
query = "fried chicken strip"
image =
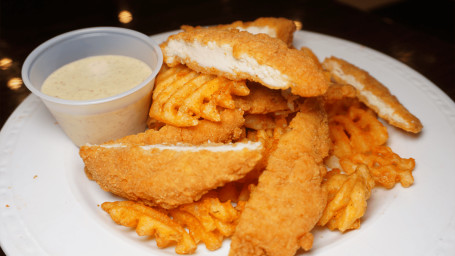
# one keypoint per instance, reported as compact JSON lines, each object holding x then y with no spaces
{"x":280,"y":28}
{"x":373,"y":94}
{"x":261,"y":100}
{"x":229,"y":129}
{"x":168,"y":175}
{"x":288,"y":200}
{"x":241,"y":55}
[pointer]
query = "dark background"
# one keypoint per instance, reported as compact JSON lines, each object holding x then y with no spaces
{"x":417,"y":33}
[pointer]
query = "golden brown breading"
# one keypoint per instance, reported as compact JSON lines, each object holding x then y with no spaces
{"x":168,"y":175}
{"x":312,"y":55}
{"x":311,"y":130}
{"x":241,"y":55}
{"x":261,"y":100}
{"x":229,"y":129}
{"x":337,"y":92}
{"x":374,"y":94}
{"x":260,"y":122}
{"x":288,"y":200}
{"x":280,"y":28}
{"x":284,"y":28}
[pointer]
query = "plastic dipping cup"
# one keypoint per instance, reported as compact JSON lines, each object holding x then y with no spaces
{"x":100,"y":120}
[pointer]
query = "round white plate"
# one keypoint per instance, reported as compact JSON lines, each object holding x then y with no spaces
{"x":49,"y":207}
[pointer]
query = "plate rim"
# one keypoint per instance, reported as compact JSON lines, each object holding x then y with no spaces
{"x":18,"y":120}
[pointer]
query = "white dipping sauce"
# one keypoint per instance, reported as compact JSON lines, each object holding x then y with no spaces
{"x":96,"y":77}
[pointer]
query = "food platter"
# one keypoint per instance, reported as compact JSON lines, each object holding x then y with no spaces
{"x":49,"y":207}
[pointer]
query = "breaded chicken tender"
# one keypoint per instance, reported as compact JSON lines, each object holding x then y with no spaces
{"x":280,"y":28}
{"x":241,"y":55}
{"x":288,"y":200}
{"x":373,"y":94}
{"x":261,"y":100}
{"x":229,"y":129}
{"x":168,"y":175}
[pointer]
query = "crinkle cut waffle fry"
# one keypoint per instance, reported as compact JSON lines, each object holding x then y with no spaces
{"x":182,"y":96}
{"x":151,"y":222}
{"x":208,"y":220}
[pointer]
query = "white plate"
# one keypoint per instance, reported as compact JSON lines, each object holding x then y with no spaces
{"x":49,"y":207}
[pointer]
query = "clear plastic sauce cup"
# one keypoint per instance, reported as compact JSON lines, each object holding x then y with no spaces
{"x":100,"y":120}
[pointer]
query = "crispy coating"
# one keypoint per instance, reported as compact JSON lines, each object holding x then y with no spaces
{"x":274,"y":128}
{"x":287,"y":68}
{"x":261,"y":100}
{"x":337,"y":92}
{"x":259,"y":122}
{"x":170,"y":176}
{"x":312,"y":55}
{"x":229,"y":129}
{"x":374,"y":94}
{"x":288,"y":200}
{"x":284,"y":28}
{"x":280,"y":28}
{"x":314,"y":129}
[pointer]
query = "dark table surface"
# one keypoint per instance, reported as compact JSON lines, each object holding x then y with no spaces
{"x":417,"y":33}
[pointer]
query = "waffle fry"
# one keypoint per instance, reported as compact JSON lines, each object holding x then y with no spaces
{"x":347,"y":199}
{"x":208,"y":221}
{"x":151,"y":222}
{"x":182,"y":96}
{"x":212,"y":240}
{"x":359,"y":138}
{"x":386,"y":167}
{"x":356,"y":131}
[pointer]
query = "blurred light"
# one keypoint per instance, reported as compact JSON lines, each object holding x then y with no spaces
{"x":15,"y":83}
{"x":298,"y":24}
{"x":405,"y":56}
{"x":125,"y":17}
{"x":5,"y":63}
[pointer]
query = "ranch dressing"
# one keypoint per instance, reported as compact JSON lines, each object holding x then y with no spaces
{"x":96,"y":77}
